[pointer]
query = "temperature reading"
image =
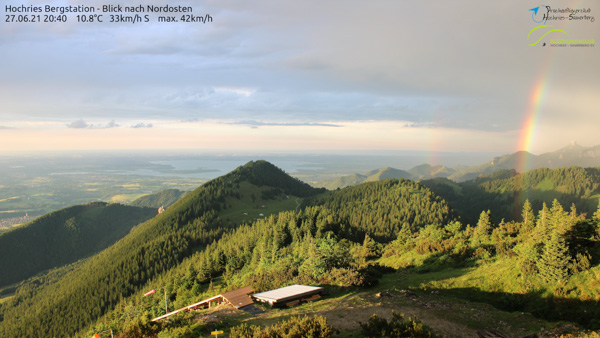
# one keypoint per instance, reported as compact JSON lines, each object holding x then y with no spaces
{"x":90,"y":18}
{"x":102,"y":14}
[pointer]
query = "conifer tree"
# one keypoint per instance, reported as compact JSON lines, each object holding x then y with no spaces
{"x":559,"y":219}
{"x":528,"y":216}
{"x":596,"y":215}
{"x":405,"y":234}
{"x":484,"y":228}
{"x":554,"y":262}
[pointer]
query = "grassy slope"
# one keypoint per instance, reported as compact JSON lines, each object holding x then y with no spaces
{"x":237,"y":207}
{"x":345,"y":308}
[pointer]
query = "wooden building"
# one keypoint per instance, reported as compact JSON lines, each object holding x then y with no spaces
{"x":289,"y":295}
{"x":237,"y":298}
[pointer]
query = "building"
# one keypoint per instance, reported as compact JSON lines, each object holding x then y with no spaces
{"x":289,"y":295}
{"x":237,"y":298}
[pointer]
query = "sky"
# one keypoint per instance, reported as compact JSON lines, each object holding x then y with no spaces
{"x":453,"y":76}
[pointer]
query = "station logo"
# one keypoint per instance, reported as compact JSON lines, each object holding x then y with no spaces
{"x":545,"y":33}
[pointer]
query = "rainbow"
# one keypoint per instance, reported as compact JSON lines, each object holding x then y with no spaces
{"x":532,"y":116}
{"x":536,"y":97}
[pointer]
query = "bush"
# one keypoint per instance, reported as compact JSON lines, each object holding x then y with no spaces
{"x":295,"y":327}
{"x":396,"y":327}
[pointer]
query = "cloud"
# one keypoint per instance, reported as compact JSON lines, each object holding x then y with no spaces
{"x":3,"y":127}
{"x":110,"y":124}
{"x":142,"y":125}
{"x":81,"y":124}
{"x":78,"y":124}
{"x":256,"y":124}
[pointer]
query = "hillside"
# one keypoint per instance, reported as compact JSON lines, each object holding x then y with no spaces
{"x":381,"y":208}
{"x":318,"y":244}
{"x":65,"y":236}
{"x":516,"y":278}
{"x":570,"y":155}
{"x":425,"y":171}
{"x":355,"y":179}
{"x":153,"y":247}
{"x":163,"y":198}
{"x":389,"y":245}
{"x":504,"y":192}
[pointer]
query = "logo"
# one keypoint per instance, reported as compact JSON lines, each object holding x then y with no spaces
{"x":548,"y":31}
{"x":544,"y":14}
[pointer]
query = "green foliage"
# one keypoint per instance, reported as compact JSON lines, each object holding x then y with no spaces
{"x":149,"y":250}
{"x":528,"y":216}
{"x":64,"y":236}
{"x":381,"y":208}
{"x":484,"y":228}
{"x":505,"y":192}
{"x":397,"y":326}
{"x":336,"y":239}
{"x":295,"y":327}
{"x":163,"y":198}
{"x":264,"y":173}
{"x":554,"y":261}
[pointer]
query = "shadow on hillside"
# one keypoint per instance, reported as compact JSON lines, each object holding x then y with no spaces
{"x":583,"y":312}
{"x":503,"y":202}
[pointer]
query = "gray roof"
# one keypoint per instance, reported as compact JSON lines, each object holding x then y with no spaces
{"x":288,"y":292}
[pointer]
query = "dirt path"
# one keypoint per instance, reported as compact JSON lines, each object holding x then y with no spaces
{"x":347,"y":317}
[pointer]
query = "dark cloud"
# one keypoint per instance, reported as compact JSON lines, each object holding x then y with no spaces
{"x":3,"y":127}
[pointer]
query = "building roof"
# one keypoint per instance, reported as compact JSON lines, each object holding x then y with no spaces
{"x":288,"y":292}
{"x":240,"y":297}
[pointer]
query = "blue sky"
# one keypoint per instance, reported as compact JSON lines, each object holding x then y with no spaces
{"x":391,"y":75}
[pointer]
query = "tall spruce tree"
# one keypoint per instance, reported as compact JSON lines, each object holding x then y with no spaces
{"x":554,"y":262}
{"x":596,"y":215}
{"x":528,"y":216}
{"x":484,"y":228}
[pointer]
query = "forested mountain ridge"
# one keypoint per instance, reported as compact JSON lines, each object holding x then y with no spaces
{"x":571,"y":155}
{"x":381,"y":208}
{"x":149,"y":249}
{"x":163,"y":198}
{"x":505,"y":191}
{"x":65,"y":236}
{"x":327,"y":241}
{"x":546,"y":263}
{"x":371,"y":176}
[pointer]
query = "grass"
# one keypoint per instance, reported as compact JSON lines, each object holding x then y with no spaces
{"x":5,"y":299}
{"x":237,"y":208}
{"x":545,"y":185}
{"x":447,"y":314}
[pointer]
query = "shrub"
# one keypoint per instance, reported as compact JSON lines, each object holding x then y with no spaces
{"x":396,"y":327}
{"x":295,"y":327}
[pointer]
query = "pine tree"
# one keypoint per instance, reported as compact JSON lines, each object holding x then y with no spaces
{"x":559,"y":219}
{"x":528,"y":216}
{"x":596,"y":215}
{"x":484,"y":228}
{"x":554,"y":262}
{"x":405,"y":234}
